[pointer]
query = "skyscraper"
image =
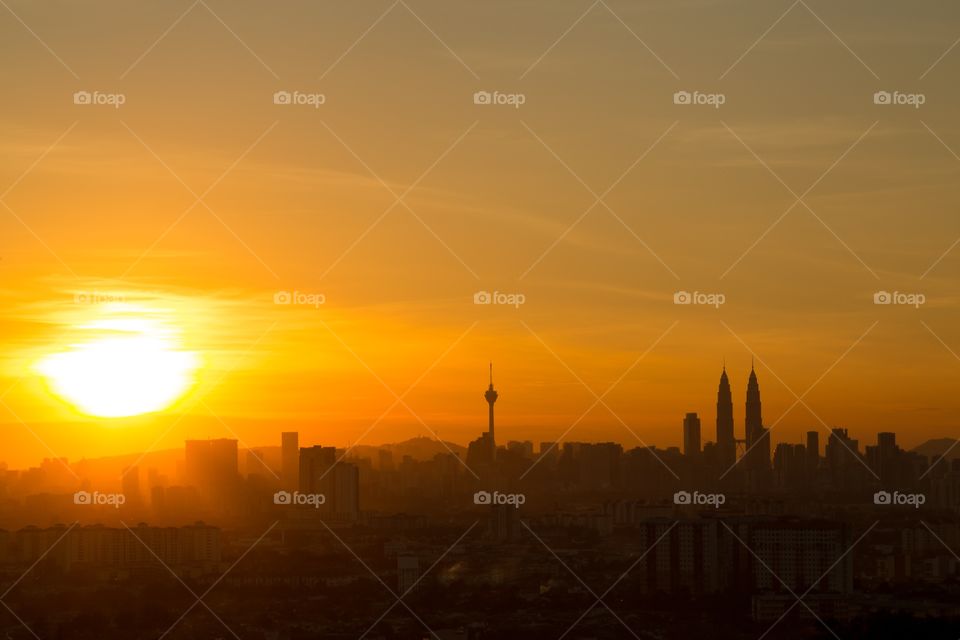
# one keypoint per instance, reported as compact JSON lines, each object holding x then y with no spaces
{"x":345,"y":503}
{"x":813,"y":456}
{"x":131,"y":484}
{"x":289,"y":459}
{"x":813,"y":444}
{"x":338,"y":481}
{"x":726,"y":443}
{"x":843,"y":460}
{"x":385,"y":459}
{"x":491,"y":396}
{"x":315,"y":463}
{"x":691,"y":435}
{"x":758,"y":441}
{"x":887,"y":451}
{"x":753,"y":421}
{"x":211,"y":465}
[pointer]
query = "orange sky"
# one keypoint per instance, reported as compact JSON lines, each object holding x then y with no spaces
{"x":200,"y":198}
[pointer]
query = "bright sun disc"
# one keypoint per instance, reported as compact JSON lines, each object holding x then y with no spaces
{"x":136,"y":367}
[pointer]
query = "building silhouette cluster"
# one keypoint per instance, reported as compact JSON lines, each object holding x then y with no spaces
{"x":725,"y":523}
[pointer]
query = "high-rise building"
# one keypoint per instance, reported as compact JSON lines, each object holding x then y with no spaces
{"x":131,"y":485}
{"x":691,"y":435}
{"x":385,"y":459}
{"x":339,"y":482}
{"x":789,"y":465}
{"x":797,"y":556}
{"x":758,"y":438}
{"x":344,"y":503}
{"x":886,"y":464}
{"x":597,"y":464}
{"x":549,"y":453}
{"x":813,"y":444}
{"x":726,"y":443}
{"x":843,"y":460}
{"x":289,"y":459}
{"x":753,"y":420}
{"x":211,"y":465}
{"x":813,"y":456}
{"x":315,"y":462}
{"x":522,"y":449}
{"x":887,"y":441}
{"x":257,"y":463}
{"x":683,"y":557}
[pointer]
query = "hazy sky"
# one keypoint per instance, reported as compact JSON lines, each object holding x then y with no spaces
{"x":597,"y":199}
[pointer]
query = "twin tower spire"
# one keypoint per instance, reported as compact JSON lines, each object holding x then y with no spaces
{"x":757,"y":441}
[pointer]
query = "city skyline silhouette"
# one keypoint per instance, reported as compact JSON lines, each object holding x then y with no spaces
{"x":415,"y":319}
{"x":736,"y":441}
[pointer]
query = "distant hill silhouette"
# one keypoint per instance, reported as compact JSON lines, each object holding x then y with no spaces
{"x":164,"y":460}
{"x":937,"y":447}
{"x":420,"y":448}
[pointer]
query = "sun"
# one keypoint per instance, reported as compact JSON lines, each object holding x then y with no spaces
{"x":132,"y":366}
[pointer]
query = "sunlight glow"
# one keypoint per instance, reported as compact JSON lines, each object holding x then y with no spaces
{"x":135,"y":365}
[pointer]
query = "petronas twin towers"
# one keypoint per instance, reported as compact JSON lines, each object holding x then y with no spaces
{"x":757,"y":452}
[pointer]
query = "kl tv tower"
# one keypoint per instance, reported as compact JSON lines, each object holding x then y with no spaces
{"x":491,"y":396}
